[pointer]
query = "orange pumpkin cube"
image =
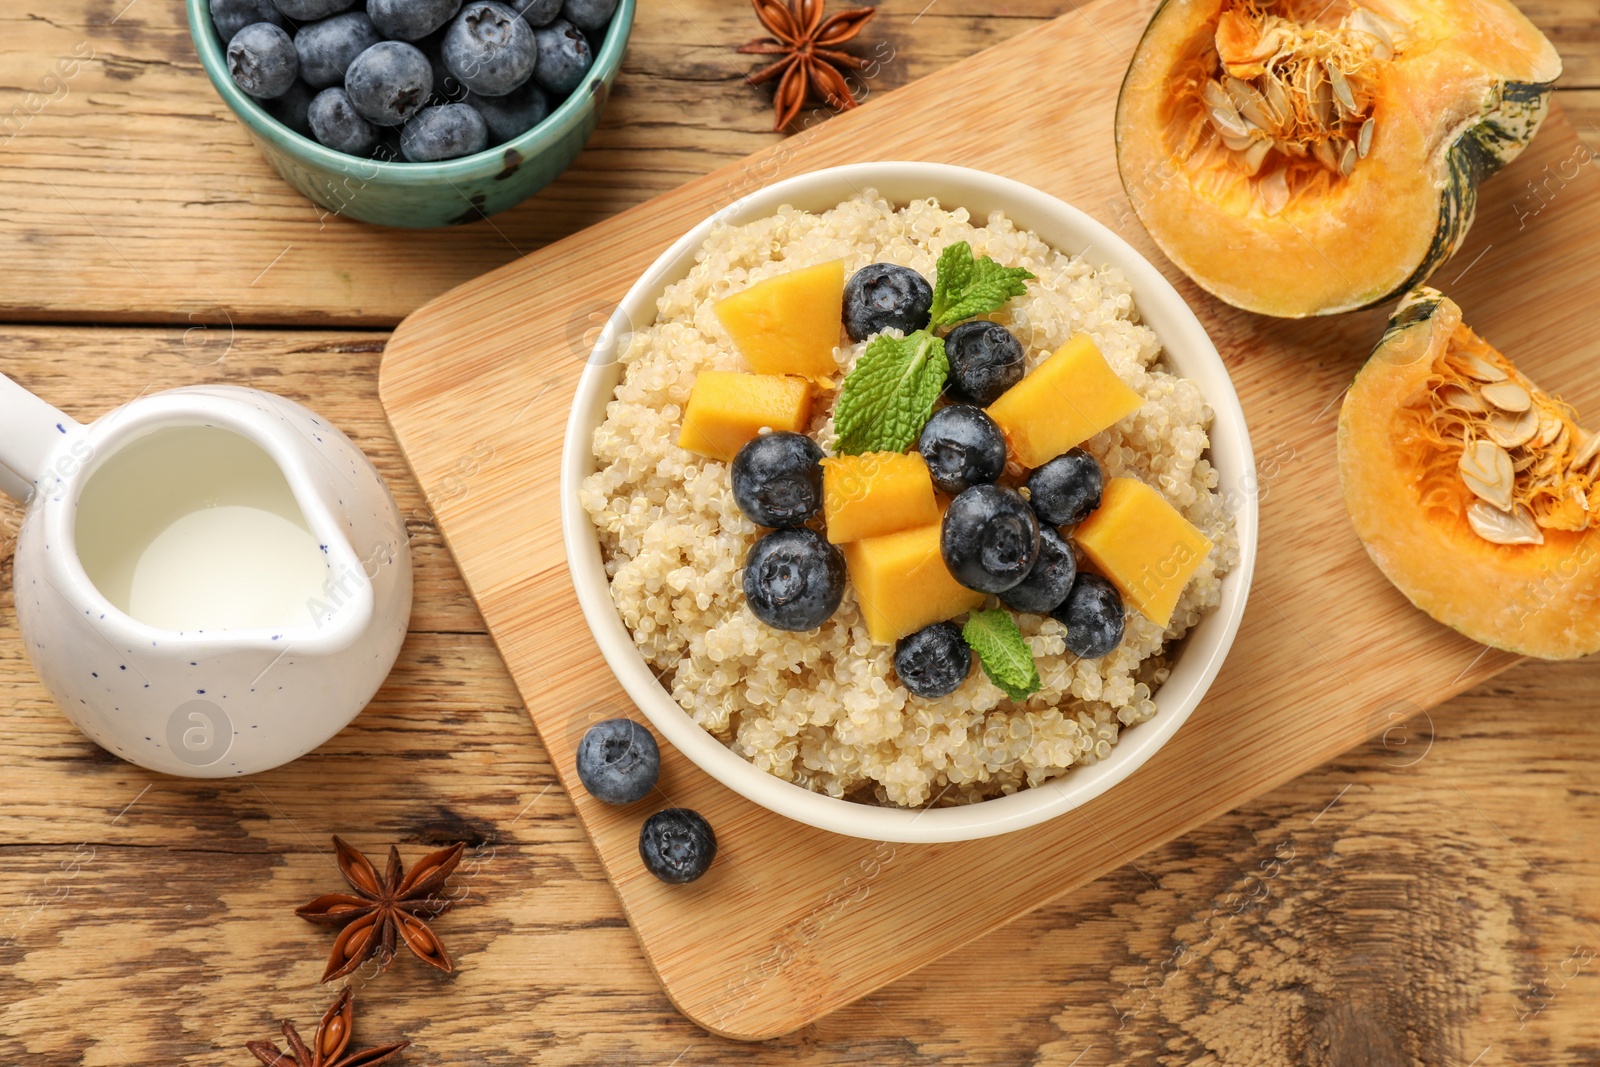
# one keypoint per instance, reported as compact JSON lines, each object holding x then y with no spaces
{"x":876,"y":493}
{"x":789,"y":324}
{"x":902,"y":584}
{"x":726,"y":409}
{"x":1144,"y":545}
{"x":1062,"y":403}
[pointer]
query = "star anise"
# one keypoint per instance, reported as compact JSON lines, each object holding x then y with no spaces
{"x":385,"y":909}
{"x":327,"y":1044}
{"x":812,"y":64}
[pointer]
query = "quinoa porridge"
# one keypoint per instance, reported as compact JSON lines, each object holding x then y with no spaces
{"x":824,"y":709}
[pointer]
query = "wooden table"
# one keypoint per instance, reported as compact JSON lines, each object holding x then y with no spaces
{"x":1429,"y":898}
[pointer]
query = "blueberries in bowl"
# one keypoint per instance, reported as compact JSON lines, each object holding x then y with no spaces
{"x":311,"y":10}
{"x":590,"y":16}
{"x":262,"y":60}
{"x":513,"y":114}
{"x":618,"y":761}
{"x":335,"y":123}
{"x":1094,"y":617}
{"x":490,"y":48}
{"x":389,"y":82}
{"x":293,"y":108}
{"x":1067,"y":489}
{"x":794,"y":579}
{"x":1048,"y":584}
{"x":231,"y":16}
{"x":537,"y":12}
{"x":777,"y":479}
{"x":934,"y":661}
{"x":677,"y":845}
{"x":881,"y":296}
{"x":963,"y":446}
{"x":989,"y":538}
{"x":410,"y":20}
{"x":327,"y":48}
{"x":446,"y":131}
{"x":564,"y":57}
{"x":985,"y":359}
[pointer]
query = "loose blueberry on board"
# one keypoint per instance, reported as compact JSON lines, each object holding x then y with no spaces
{"x":311,"y":10}
{"x":590,"y":16}
{"x":564,"y":57}
{"x":777,"y":479}
{"x":447,"y":131}
{"x":335,"y":123}
{"x":262,"y":60}
{"x":513,"y":114}
{"x":490,"y":48}
{"x":327,"y":48}
{"x":1066,"y":490}
{"x":293,"y":108}
{"x":985,"y":360}
{"x":934,"y":661}
{"x":389,"y":82}
{"x":618,"y":761}
{"x":1048,"y":584}
{"x":794,"y":579}
{"x":537,"y":12}
{"x":677,"y":845}
{"x":411,"y":20}
{"x":989,"y":538}
{"x":963,"y":447}
{"x":882,"y":296}
{"x":1094,"y":617}
{"x":231,"y":16}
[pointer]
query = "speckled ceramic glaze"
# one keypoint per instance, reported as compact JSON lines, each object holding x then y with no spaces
{"x":422,"y":195}
{"x":198,"y":704}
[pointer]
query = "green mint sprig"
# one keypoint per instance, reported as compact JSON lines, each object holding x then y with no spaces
{"x":887,"y":399}
{"x":1006,"y":657}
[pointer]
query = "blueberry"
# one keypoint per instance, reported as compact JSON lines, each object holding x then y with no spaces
{"x":1047,"y":585}
{"x":794,"y":579}
{"x":311,"y":10}
{"x":262,"y":60}
{"x":564,"y":57}
{"x":1093,"y":615}
{"x":447,"y":88}
{"x":537,"y":12}
{"x":677,"y":845}
{"x":231,"y":16}
{"x":335,"y":123}
{"x":389,"y":82}
{"x":934,"y":661}
{"x":591,"y":16}
{"x":884,"y":295}
{"x":618,"y":761}
{"x":777,"y":479}
{"x":985,"y":361}
{"x":411,"y":20}
{"x":989,"y":539}
{"x":489,"y":48}
{"x":963,"y":447}
{"x":1064,"y":491}
{"x":446,"y":131}
{"x":513,"y":114}
{"x":326,"y":48}
{"x":293,"y":108}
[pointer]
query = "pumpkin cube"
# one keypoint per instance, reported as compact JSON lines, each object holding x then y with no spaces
{"x":1144,"y":545}
{"x":902,"y":584}
{"x":1062,"y":403}
{"x":789,"y":324}
{"x":876,"y":493}
{"x":726,"y":409}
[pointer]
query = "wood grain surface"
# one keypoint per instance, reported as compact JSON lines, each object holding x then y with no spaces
{"x":1427,"y":898}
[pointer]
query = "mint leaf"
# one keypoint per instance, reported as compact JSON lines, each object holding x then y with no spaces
{"x":965,"y":288}
{"x":1006,"y":657}
{"x":887,"y":398}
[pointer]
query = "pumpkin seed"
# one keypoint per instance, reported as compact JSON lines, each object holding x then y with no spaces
{"x":1507,"y":396}
{"x":1482,"y":370}
{"x":1549,"y":429}
{"x":1364,"y":139}
{"x":1523,"y":461}
{"x":1323,"y":150}
{"x":1513,"y":431}
{"x":1588,"y":448}
{"x":1277,"y":103}
{"x":1347,"y":163}
{"x":1341,"y":88}
{"x":1275,"y":191}
{"x":1236,"y":142}
{"x":1215,"y":98}
{"x":1488,"y":463}
{"x":1247,"y":101}
{"x":1503,"y":526}
{"x":1462,"y":399}
{"x":1256,"y":155}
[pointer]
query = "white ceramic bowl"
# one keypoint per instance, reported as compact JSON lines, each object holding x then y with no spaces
{"x":1187,"y":350}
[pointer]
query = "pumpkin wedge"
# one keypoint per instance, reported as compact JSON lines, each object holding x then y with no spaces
{"x":1472,"y":489}
{"x":1307,"y":157}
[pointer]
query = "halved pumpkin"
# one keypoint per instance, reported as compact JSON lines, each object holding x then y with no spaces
{"x":1472,"y":489}
{"x":1307,"y":157}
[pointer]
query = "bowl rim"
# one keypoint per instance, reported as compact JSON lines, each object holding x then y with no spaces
{"x":563,"y":119}
{"x":1155,"y":298}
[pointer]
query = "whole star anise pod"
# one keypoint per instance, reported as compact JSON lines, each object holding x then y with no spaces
{"x":812,"y":64}
{"x":385,"y":909}
{"x":327,"y":1044}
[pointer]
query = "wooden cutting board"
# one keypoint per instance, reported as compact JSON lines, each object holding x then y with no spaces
{"x":792,"y":923}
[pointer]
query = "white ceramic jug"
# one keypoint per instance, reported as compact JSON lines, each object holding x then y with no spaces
{"x":210,"y":581}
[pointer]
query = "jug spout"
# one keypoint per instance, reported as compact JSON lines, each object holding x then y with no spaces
{"x":30,"y":433}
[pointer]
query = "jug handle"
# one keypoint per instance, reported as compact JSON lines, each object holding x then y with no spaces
{"x":30,"y":430}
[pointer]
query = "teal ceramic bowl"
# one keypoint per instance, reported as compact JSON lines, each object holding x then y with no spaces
{"x":422,"y":195}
